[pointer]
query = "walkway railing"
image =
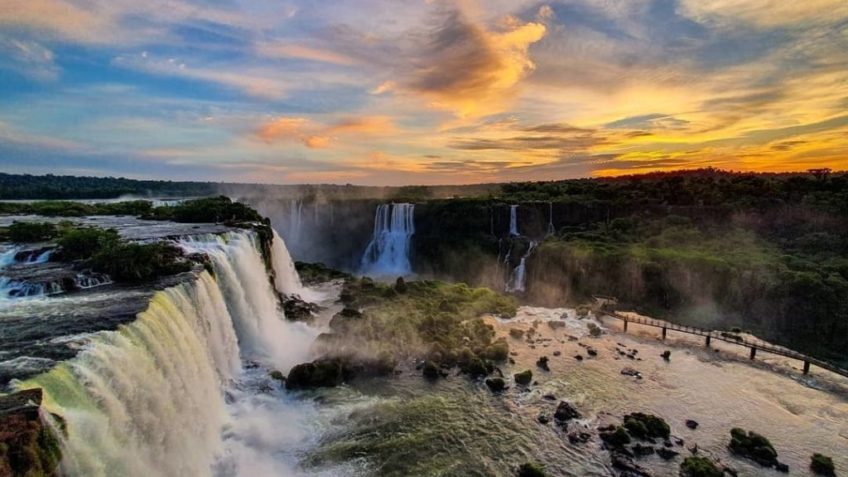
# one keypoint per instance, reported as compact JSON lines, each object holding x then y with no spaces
{"x":727,"y":337}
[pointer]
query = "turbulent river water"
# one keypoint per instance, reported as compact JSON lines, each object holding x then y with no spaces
{"x":184,"y":390}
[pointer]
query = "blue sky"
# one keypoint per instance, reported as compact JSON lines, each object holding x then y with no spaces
{"x":420,"y":92}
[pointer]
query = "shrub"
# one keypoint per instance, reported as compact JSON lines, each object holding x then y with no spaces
{"x":83,"y":243}
{"x":211,"y":209}
{"x":530,"y":470}
{"x":822,"y":465}
{"x":20,"y":232}
{"x":699,"y":467}
{"x":136,"y":262}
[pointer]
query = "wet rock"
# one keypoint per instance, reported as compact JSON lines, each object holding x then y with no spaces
{"x":578,"y":357}
{"x":640,"y":450}
{"x":516,"y":333}
{"x":400,"y":285}
{"x":543,"y":363}
{"x":555,"y":325}
{"x":549,"y":397}
{"x":317,"y":374}
{"x":277,"y":375}
{"x":523,"y":378}
{"x":594,"y":330}
{"x":667,"y":454}
{"x":543,"y":418}
{"x":28,"y":445}
{"x":557,"y":353}
{"x":530,"y":470}
{"x":591,"y":351}
{"x":497,"y":351}
{"x":297,"y":309}
{"x":691,"y":424}
{"x":579,"y":437}
{"x":430,"y":370}
{"x":496,"y":385}
{"x":666,"y":355}
{"x":565,"y":412}
{"x":625,"y":464}
{"x":822,"y":465}
{"x":752,"y":446}
{"x":615,"y":438}
{"x":628,"y":371}
{"x":781,"y":467}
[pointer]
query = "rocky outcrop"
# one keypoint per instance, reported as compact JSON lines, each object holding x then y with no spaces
{"x":28,"y":445}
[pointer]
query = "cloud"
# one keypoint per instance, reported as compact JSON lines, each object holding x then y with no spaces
{"x":470,"y":70}
{"x":28,"y":58}
{"x":318,"y":136}
{"x":298,"y":51}
{"x":767,"y":13}
{"x":649,"y":121}
{"x":253,"y":81}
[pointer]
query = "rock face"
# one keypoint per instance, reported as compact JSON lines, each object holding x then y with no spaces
{"x":329,"y":372}
{"x":28,"y":446}
{"x":297,"y":309}
{"x":496,"y":385}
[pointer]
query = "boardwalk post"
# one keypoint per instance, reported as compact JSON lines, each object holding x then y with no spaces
{"x":663,"y":332}
{"x":806,"y":367}
{"x":625,"y":324}
{"x":753,"y":352}
{"x":708,"y":340}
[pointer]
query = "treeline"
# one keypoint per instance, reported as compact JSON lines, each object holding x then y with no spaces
{"x":700,"y":188}
{"x":25,"y":186}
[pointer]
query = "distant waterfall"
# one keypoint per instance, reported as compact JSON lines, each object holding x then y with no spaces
{"x":286,"y":279}
{"x":513,"y":220}
{"x":148,"y":399}
{"x":388,"y":252}
{"x":551,"y":228}
{"x":295,"y":219}
{"x":516,"y":282}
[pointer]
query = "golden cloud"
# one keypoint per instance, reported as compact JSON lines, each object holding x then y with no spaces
{"x":318,"y":136}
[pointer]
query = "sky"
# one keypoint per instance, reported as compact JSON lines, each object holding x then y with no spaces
{"x":396,"y":92}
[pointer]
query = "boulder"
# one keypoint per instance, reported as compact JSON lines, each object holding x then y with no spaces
{"x":496,"y":385}
{"x":646,"y":426}
{"x":565,"y":412}
{"x":626,"y":465}
{"x":523,"y":378}
{"x":666,"y":454}
{"x":666,"y":355}
{"x":430,"y":370}
{"x":691,"y":424}
{"x":543,"y":363}
{"x":615,"y":437}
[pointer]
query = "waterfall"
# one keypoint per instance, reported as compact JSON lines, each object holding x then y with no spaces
{"x":388,"y":252}
{"x":516,"y":282}
{"x":295,"y":219}
{"x":149,"y":398}
{"x":513,"y":220}
{"x":286,"y":279}
{"x":551,"y":228}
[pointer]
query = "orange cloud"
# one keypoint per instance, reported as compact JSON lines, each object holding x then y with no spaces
{"x":291,"y":50}
{"x":318,"y":136}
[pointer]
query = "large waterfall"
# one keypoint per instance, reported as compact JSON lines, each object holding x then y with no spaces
{"x":388,"y":252}
{"x":149,"y":398}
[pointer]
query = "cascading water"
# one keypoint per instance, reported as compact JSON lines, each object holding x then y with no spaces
{"x":149,"y":398}
{"x":286,"y":279}
{"x":513,"y":220}
{"x":388,"y":252}
{"x":295,"y":219}
{"x":516,"y":282}
{"x":551,"y":228}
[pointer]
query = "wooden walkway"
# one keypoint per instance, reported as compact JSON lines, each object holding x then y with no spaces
{"x":733,"y":338}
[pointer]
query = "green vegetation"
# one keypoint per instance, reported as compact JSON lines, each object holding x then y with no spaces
{"x":105,"y":252}
{"x":430,"y":320}
{"x":530,"y":470}
{"x":76,"y":209}
{"x":210,"y":209}
{"x":752,"y":446}
{"x":646,"y":426}
{"x":22,"y":232}
{"x":25,"y":186}
{"x":699,"y":467}
{"x":822,"y":465}
{"x":313,"y":273}
{"x":523,"y":378}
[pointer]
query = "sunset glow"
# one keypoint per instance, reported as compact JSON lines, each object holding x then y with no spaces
{"x":420,"y":91}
